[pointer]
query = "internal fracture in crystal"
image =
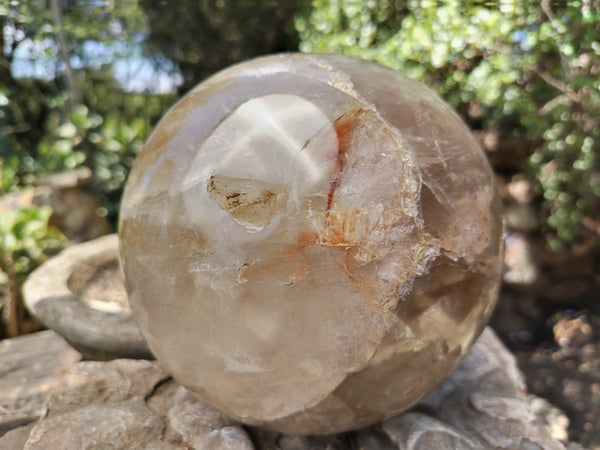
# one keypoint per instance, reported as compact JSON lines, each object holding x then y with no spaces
{"x":311,"y":243}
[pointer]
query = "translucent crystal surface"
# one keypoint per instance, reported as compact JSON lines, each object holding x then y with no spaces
{"x":311,"y":243}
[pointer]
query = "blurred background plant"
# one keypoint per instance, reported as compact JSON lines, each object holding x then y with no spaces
{"x":26,"y":241}
{"x":83,"y":83}
{"x":67,"y":93}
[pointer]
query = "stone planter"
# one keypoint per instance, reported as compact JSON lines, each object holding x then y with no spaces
{"x":80,"y":295}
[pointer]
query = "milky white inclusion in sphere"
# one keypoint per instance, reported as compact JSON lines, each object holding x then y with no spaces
{"x":310,"y":243}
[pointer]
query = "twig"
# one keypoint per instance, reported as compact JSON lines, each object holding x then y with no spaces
{"x":561,"y":99}
{"x":558,"y":85}
{"x":545,"y":4}
{"x":74,"y":92}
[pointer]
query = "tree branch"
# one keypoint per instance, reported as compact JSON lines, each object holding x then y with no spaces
{"x":562,"y":87}
{"x":552,"y":103}
{"x":74,"y":93}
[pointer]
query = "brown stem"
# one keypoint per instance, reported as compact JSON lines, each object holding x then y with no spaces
{"x":558,"y":85}
{"x":74,"y":92}
{"x":13,"y":307}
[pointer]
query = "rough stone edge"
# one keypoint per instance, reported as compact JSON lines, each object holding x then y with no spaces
{"x":97,"y":334}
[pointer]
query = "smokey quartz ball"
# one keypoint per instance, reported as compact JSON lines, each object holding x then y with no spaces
{"x":311,"y":243}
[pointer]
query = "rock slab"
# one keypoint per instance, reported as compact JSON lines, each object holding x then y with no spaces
{"x":30,"y":368}
{"x":136,"y":404}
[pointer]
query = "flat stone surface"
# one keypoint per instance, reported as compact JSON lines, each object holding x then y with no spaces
{"x":135,"y":404}
{"x":30,"y":368}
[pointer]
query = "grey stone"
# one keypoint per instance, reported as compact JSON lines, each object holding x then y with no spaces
{"x":522,"y":217}
{"x":130,"y":404}
{"x":30,"y":367}
{"x":416,"y":431}
{"x":203,"y":426}
{"x":16,"y":438}
{"x":485,"y":400}
{"x":94,"y":382}
{"x":98,"y":426}
{"x":135,"y":404}
{"x":50,"y":296}
{"x":520,"y":266}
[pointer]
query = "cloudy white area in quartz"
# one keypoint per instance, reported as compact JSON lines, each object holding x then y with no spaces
{"x":261,"y":134}
{"x":263,"y":140}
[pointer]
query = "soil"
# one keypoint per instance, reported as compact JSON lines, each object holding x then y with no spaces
{"x":559,"y":354}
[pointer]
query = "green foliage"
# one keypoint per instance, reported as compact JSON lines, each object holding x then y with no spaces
{"x":22,"y":104}
{"x":43,"y":130}
{"x":526,"y":70}
{"x":117,"y":144}
{"x":108,"y":145}
{"x":50,"y":123}
{"x":26,"y":240}
{"x":60,"y":149}
{"x":201,"y":37}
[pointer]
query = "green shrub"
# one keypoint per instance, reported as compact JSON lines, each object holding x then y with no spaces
{"x":50,"y":121}
{"x":108,"y":145}
{"x":26,"y":241}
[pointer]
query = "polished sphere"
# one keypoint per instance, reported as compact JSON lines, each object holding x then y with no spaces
{"x":311,"y":243}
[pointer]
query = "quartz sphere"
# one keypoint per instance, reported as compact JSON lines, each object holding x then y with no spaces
{"x":310,"y":243}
